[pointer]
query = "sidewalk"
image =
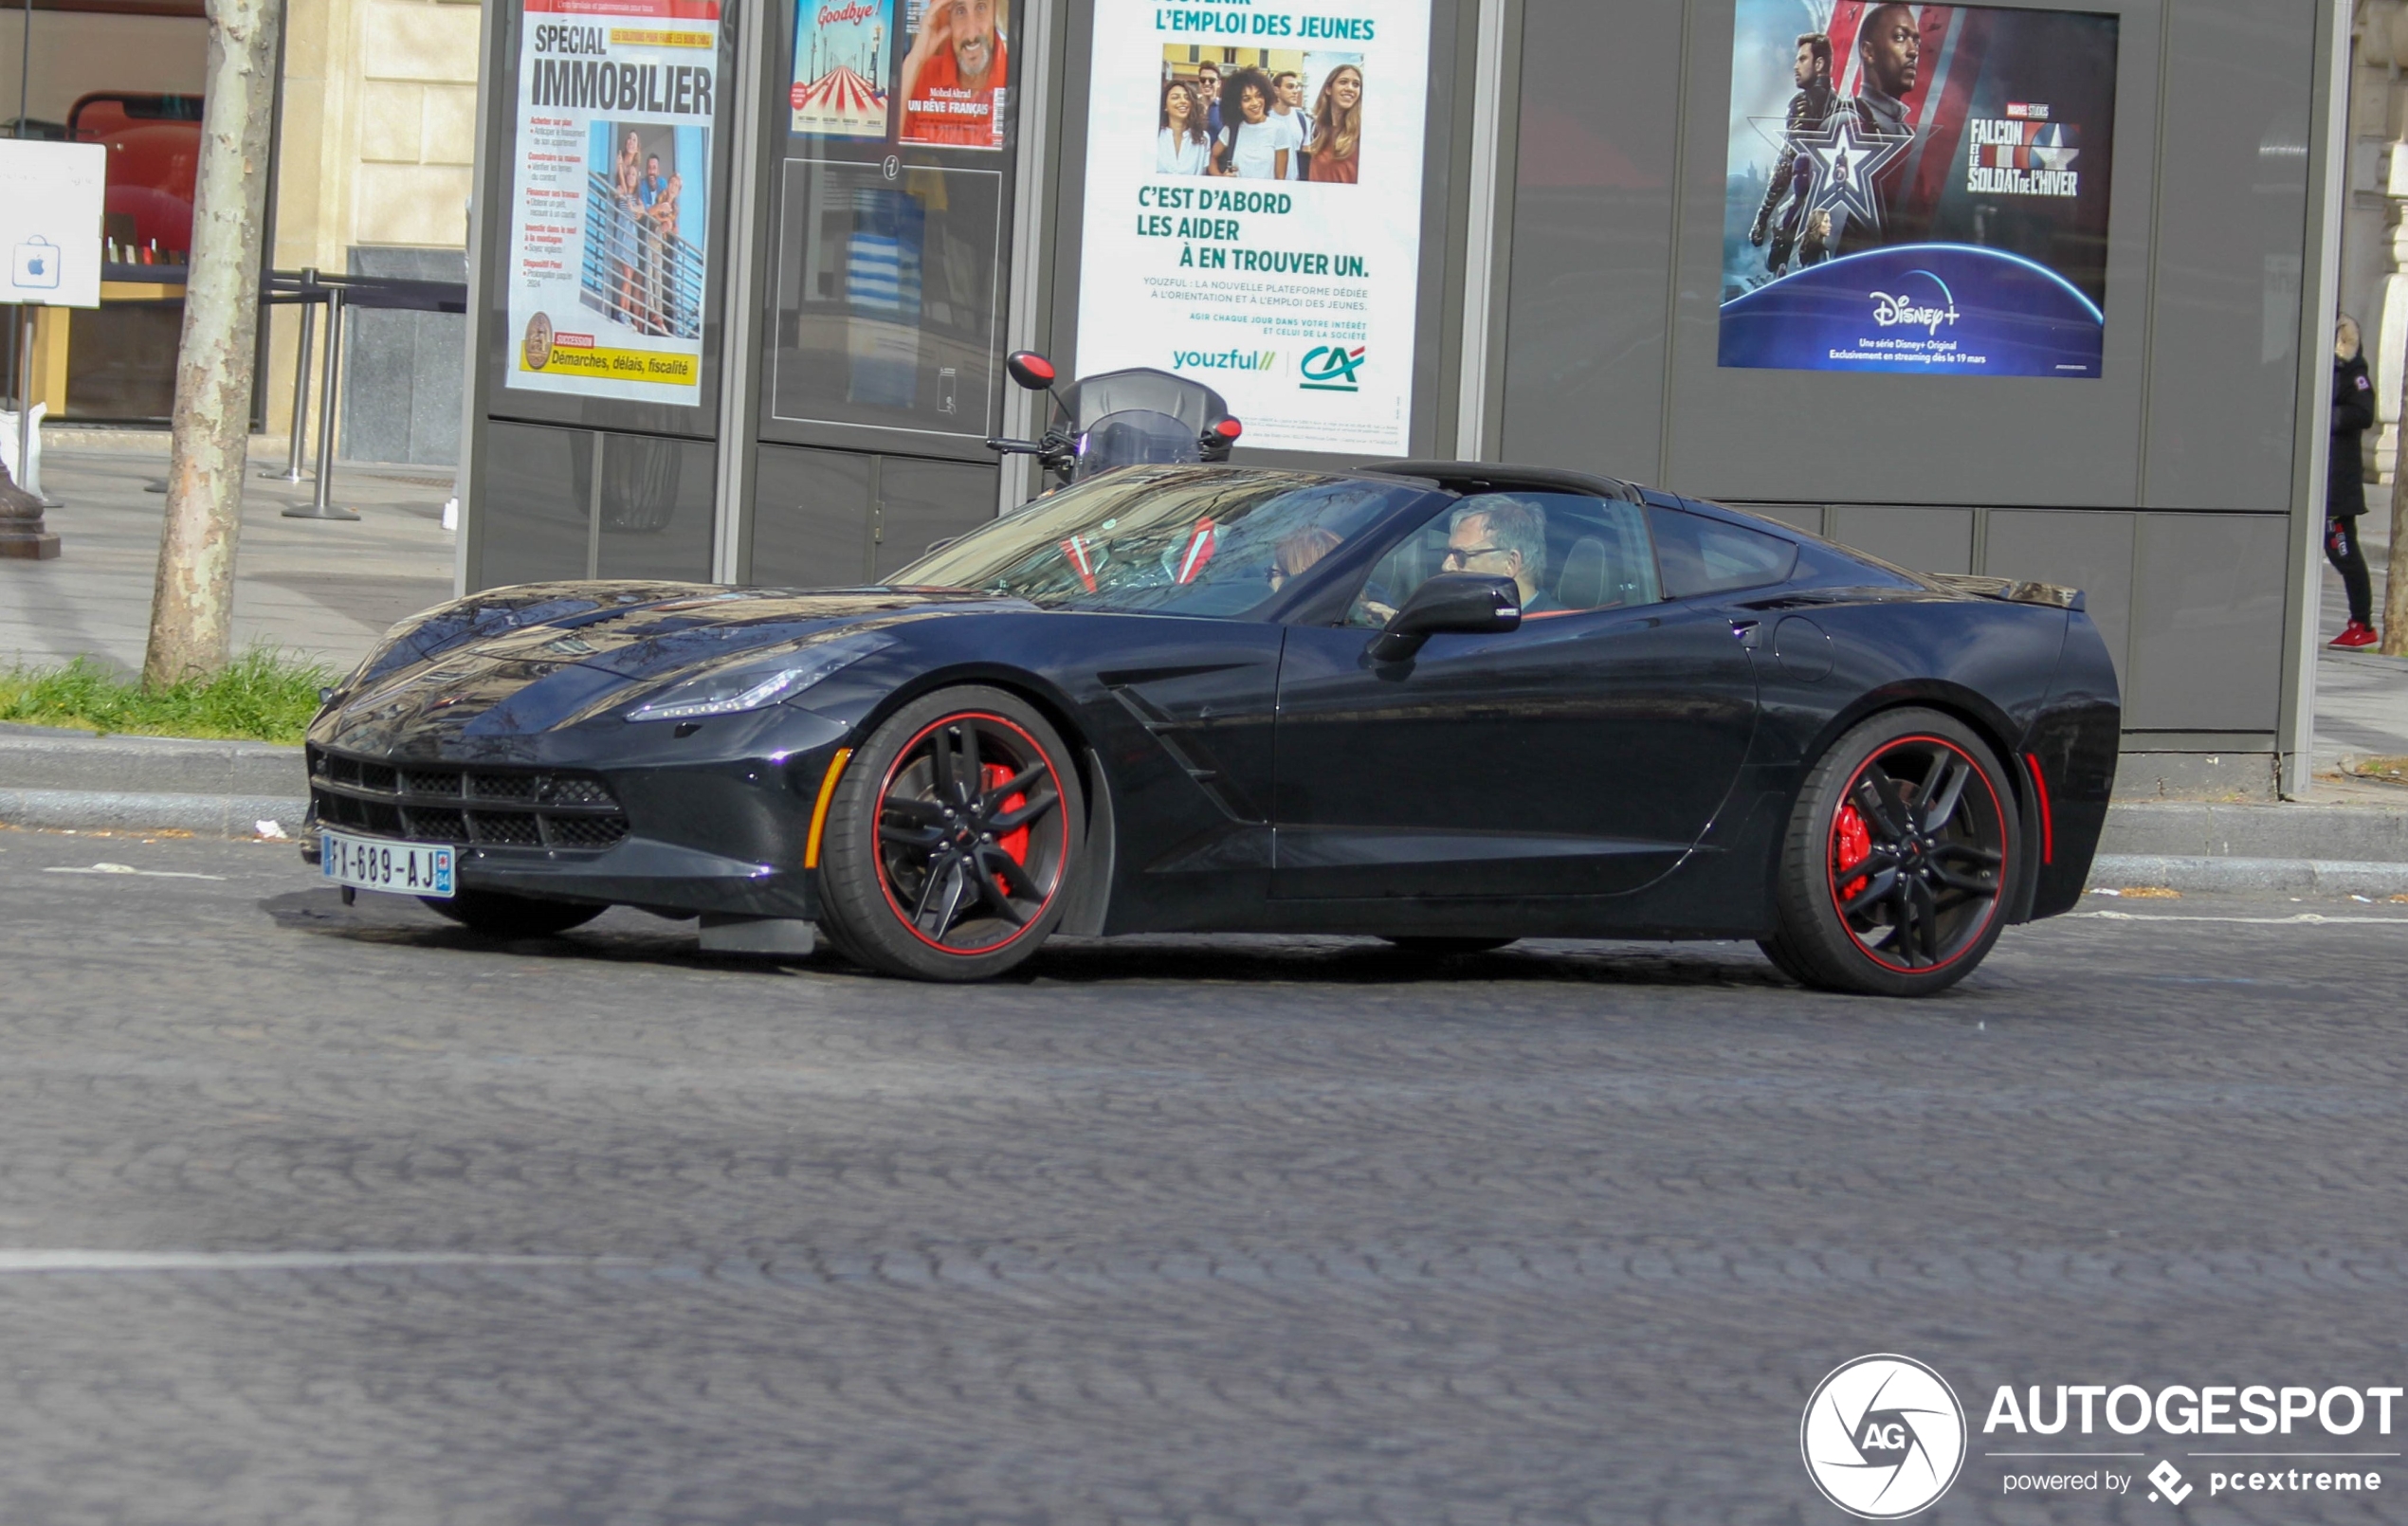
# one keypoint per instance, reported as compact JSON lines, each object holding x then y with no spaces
{"x":2362,"y":698}
{"x":320,"y":589}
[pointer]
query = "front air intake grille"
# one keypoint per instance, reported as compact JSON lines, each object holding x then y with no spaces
{"x":426,"y":782}
{"x":513,"y":786}
{"x":509,"y":828}
{"x":491,"y":807}
{"x":588,"y":831}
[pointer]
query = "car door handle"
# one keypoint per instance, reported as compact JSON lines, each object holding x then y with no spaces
{"x":1747,"y":632}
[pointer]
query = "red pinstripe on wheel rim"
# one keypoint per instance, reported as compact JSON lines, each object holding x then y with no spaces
{"x":1917,"y":855}
{"x":971,"y":836}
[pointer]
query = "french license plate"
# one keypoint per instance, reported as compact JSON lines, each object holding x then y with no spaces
{"x":401,"y":868}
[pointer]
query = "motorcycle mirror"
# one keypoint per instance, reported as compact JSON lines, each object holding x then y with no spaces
{"x":1030,"y":370}
{"x":1228,"y":428}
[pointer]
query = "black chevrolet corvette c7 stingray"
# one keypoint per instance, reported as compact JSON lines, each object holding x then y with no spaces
{"x":1448,"y":704}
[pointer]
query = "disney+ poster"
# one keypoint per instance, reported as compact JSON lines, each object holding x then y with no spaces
{"x":1917,"y":188}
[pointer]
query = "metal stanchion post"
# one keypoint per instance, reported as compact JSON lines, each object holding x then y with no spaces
{"x":292,"y":472}
{"x":318,"y":507}
{"x":29,"y":469}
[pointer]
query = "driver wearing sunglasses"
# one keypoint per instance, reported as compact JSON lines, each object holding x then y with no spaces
{"x":1502,"y":536}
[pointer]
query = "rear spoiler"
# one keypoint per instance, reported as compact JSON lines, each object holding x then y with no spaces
{"x":2010,"y":590}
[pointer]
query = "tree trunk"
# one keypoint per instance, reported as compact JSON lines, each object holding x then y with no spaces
{"x":2395,"y":611}
{"x":193,"y":603}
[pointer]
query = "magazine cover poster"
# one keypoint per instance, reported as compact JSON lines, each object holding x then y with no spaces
{"x":844,"y":52}
{"x":955,"y":76}
{"x":1917,"y":188}
{"x":611,"y":197}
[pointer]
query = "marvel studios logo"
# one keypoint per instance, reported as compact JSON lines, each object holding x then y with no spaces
{"x":2027,"y":111}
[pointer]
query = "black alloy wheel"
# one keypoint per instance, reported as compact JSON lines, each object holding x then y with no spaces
{"x":952,"y":839}
{"x":1899,"y":857}
{"x":497,"y":914}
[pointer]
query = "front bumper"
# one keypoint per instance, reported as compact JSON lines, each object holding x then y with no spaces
{"x":660,"y":876}
{"x":715,"y":821}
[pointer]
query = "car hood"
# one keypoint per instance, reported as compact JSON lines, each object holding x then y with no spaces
{"x":485,"y":669}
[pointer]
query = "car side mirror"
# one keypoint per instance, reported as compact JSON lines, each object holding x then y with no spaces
{"x":1460,"y":604}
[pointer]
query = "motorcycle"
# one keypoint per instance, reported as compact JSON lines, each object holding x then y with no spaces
{"x":1123,"y":418}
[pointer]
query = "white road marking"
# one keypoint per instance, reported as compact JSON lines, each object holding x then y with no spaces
{"x":269,"y":1261}
{"x":128,"y":868}
{"x":2302,"y":920}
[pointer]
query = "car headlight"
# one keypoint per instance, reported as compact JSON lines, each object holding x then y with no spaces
{"x":752,"y":685}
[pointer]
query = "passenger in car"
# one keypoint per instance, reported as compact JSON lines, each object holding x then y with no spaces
{"x":1496,"y":533}
{"x":1295,"y":553}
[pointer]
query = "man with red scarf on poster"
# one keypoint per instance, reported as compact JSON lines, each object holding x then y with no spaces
{"x":952,"y":77}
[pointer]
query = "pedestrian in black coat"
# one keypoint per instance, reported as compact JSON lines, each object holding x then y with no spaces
{"x":2345,"y":483}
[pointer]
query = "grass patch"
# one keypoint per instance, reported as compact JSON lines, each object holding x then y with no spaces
{"x":2389,"y":770}
{"x":262,"y":695}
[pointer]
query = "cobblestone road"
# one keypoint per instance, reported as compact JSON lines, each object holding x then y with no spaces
{"x":313,"y":1214}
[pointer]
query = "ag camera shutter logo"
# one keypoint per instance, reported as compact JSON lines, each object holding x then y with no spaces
{"x":1883,"y":1437}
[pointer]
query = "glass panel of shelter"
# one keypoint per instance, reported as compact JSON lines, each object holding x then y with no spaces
{"x":884,"y":333}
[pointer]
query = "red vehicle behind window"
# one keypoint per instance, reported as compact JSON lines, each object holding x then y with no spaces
{"x":154,"y":152}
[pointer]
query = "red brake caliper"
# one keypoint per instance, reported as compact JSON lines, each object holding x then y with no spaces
{"x":1851,"y":845}
{"x":1014,"y":843}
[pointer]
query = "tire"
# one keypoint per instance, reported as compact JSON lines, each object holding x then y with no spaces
{"x":1438,"y":946}
{"x":1773,"y":951}
{"x":1894,"y":871}
{"x":496,"y":915}
{"x":924,"y":872}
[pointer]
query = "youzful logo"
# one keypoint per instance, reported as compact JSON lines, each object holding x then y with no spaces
{"x":1331,"y":368}
{"x":1883,"y":1437}
{"x":1224,"y":360}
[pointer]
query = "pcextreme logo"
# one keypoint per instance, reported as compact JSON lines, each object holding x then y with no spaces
{"x":1883,"y":1437}
{"x":1331,"y":368}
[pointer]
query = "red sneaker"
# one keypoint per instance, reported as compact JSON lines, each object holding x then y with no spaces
{"x":2357,"y":635}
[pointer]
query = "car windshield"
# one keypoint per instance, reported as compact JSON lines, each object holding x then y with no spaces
{"x":1190,"y":540}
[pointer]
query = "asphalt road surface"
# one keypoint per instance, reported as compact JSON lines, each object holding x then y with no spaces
{"x":311,"y":1213}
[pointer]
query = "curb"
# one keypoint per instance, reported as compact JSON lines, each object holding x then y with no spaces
{"x":2323,"y":877}
{"x":121,"y":810}
{"x":41,"y":761}
{"x":2311,"y":832}
{"x":74,"y":781}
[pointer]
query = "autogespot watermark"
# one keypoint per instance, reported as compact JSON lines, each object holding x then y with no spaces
{"x":1884,"y":1438}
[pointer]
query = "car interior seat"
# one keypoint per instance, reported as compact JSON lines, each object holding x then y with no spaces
{"x":1587,"y":579}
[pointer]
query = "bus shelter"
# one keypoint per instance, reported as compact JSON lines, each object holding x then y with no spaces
{"x":2015,"y":289}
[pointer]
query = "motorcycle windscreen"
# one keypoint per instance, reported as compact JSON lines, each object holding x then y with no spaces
{"x":1134,"y":438}
{"x":1092,"y":399}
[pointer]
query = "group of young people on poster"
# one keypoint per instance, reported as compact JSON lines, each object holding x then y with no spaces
{"x":1252,"y":123}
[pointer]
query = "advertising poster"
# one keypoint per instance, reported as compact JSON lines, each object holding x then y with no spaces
{"x":50,"y":223}
{"x":1917,"y":188}
{"x":842,"y":56}
{"x":611,"y":197}
{"x":1253,"y":210}
{"x":955,"y":76}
